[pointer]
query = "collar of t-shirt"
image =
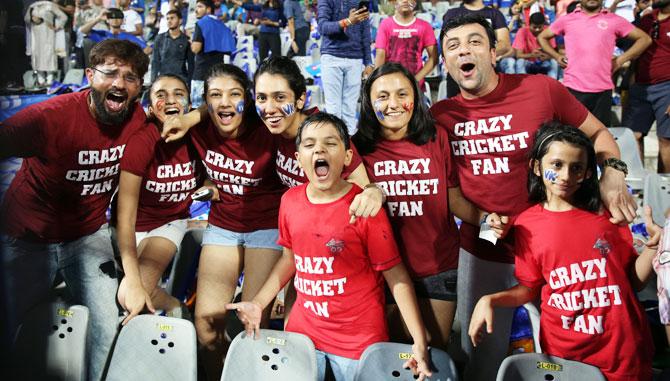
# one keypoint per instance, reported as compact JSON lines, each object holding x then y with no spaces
{"x":404,"y":24}
{"x":602,"y":12}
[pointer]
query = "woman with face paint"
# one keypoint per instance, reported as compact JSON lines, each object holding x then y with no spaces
{"x":238,"y":153}
{"x":410,"y":159}
{"x":156,"y":182}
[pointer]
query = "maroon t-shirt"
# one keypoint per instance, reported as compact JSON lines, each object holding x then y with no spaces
{"x":169,"y":174}
{"x":63,"y":188}
{"x":415,"y":179}
{"x":243,"y":170}
{"x":653,"y":66}
{"x":490,"y":139}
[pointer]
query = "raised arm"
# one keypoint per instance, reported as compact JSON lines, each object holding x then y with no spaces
{"x":544,"y":39}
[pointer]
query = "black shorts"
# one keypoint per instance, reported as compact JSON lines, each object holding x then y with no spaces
{"x":440,"y":286}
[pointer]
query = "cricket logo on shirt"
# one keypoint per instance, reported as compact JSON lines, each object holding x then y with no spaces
{"x":603,"y":246}
{"x":100,"y":180}
{"x":487,"y":136}
{"x":335,"y":246}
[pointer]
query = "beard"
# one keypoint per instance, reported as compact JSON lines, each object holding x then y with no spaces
{"x":108,"y":117}
{"x":660,"y":4}
{"x":589,"y":8}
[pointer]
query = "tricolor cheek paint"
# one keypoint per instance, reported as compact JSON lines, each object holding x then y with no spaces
{"x":287,"y":109}
{"x":260,"y":111}
{"x":378,"y":106}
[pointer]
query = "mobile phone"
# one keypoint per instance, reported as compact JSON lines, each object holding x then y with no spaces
{"x":363,"y":4}
{"x":203,"y":195}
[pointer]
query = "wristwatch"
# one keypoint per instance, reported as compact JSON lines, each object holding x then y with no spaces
{"x":617,"y":164}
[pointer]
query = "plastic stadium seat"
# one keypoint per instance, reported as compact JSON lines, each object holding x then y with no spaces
{"x":657,"y":195}
{"x":74,"y":77}
{"x":314,"y":97}
{"x":384,"y":361}
{"x":303,"y":62}
{"x":538,"y":366}
{"x":442,"y":90}
{"x":51,"y":343}
{"x":631,"y":155}
{"x":155,"y":347}
{"x":275,"y":356}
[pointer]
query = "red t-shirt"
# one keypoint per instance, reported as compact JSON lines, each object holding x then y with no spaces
{"x":169,"y":172}
{"x":589,"y":310}
{"x":490,"y":138}
{"x":653,"y":66}
{"x":340,"y":303}
{"x":243,"y":170}
{"x":290,"y":172}
{"x":63,"y":188}
{"x":526,"y":42}
{"x":415,"y":179}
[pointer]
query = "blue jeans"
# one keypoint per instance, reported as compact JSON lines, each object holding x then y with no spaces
{"x":344,"y":369}
{"x":88,"y":267}
{"x":548,"y":67}
{"x":341,"y":87}
{"x":507,"y":65}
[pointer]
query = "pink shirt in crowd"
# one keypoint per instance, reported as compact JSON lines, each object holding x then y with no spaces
{"x":589,"y":44}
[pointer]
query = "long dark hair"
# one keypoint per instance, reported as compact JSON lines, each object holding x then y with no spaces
{"x":421,"y":126}
{"x":249,"y":115}
{"x":587,"y":197}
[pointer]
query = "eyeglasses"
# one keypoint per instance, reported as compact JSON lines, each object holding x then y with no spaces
{"x":656,"y":30}
{"x":114,"y":74}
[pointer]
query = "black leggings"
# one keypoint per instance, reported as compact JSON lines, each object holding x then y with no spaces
{"x":269,"y":42}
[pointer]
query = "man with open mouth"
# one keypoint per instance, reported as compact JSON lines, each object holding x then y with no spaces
{"x":491,"y":126}
{"x":52,"y":219}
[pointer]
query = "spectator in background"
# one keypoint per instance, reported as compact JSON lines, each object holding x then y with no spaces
{"x":221,"y":10}
{"x":114,"y":19}
{"x":345,"y":53}
{"x":590,"y":34}
{"x":529,"y":55}
{"x":87,"y":11}
{"x":507,"y":63}
{"x":132,"y":21}
{"x":212,"y":40}
{"x":650,"y":95}
{"x":44,"y":19}
{"x":403,"y":38}
{"x":249,"y":26}
{"x":298,"y":27}
{"x":171,"y":50}
{"x":497,"y":21}
{"x":271,"y":19}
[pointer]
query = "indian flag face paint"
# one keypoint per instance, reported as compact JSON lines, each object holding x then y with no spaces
{"x":287,"y":109}
{"x":260,"y":111}
{"x":239,"y":107}
{"x":379,"y":106}
{"x":409,"y":107}
{"x":160,"y":104}
{"x":551,"y":175}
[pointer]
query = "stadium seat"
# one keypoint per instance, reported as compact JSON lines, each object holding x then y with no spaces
{"x":631,"y":155}
{"x":51,"y":343}
{"x":384,"y":361}
{"x":303,"y":62}
{"x":314,"y":97}
{"x":538,"y":366}
{"x":442,"y":90}
{"x":657,"y":195}
{"x":285,"y":38}
{"x":154,"y":347}
{"x":275,"y":356}
{"x":425,"y":16}
{"x":74,"y":77}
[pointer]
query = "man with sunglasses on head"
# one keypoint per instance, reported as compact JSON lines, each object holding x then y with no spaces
{"x":649,"y":98}
{"x":52,"y":219}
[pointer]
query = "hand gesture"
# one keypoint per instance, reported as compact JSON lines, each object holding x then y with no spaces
{"x":563,"y":61}
{"x":615,"y":196}
{"x":366,"y":204}
{"x":655,"y":232}
{"x":249,"y":314}
{"x":358,"y":15}
{"x":499,"y":224}
{"x":481,"y":316}
{"x":419,"y":362}
{"x":174,"y":128}
{"x":134,"y":299}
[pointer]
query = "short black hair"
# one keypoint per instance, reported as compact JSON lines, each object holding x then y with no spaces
{"x":421,"y":126}
{"x":288,"y":69}
{"x":587,"y":197}
{"x":469,"y":18}
{"x":324,"y":118}
{"x":537,"y":18}
{"x":114,"y":13}
{"x":124,"y":51}
{"x":207,"y":3}
{"x":174,"y":12}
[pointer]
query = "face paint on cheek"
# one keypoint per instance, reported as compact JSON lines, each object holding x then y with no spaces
{"x":239,"y":107}
{"x":160,"y":105}
{"x":184,"y":103}
{"x":378,"y":106}
{"x":550,"y":175}
{"x":260,"y":111}
{"x":409,"y":107}
{"x":287,"y":109}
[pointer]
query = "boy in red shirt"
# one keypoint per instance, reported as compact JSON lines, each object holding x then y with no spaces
{"x":338,"y":266}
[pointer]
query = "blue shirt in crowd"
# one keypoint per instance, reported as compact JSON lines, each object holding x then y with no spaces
{"x":353,"y":41}
{"x":296,"y":9}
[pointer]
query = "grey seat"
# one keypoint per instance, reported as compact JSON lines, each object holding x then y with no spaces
{"x":275,"y":356}
{"x":657,"y":195}
{"x":630,"y":154}
{"x":51,"y":343}
{"x":384,"y":361}
{"x":155,"y":347}
{"x":542,"y":367}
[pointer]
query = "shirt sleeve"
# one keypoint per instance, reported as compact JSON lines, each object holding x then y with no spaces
{"x":327,"y":26}
{"x":558,"y":26}
{"x":23,"y":134}
{"x":520,"y":40}
{"x":367,"y":37}
{"x":197,"y":34}
{"x":284,"y":234}
{"x":140,"y":151}
{"x":527,"y":270}
{"x":622,"y":27}
{"x":381,"y":42}
{"x":380,"y":244}
{"x":498,"y":19}
{"x":288,"y":10}
{"x":428,"y":36}
{"x":567,"y":109}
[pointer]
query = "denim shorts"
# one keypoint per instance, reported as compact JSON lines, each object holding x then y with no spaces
{"x":440,"y":286}
{"x":259,"y":239}
{"x":172,"y":231}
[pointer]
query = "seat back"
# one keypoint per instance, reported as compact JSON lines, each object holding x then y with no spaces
{"x":275,"y":356}
{"x":158,"y":347}
{"x":442,"y":90}
{"x":657,"y":195}
{"x":630,"y":154}
{"x":540,"y":366}
{"x":51,"y":343}
{"x":384,"y":361}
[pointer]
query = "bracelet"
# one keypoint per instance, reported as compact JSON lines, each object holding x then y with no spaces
{"x":348,"y":21}
{"x":483,"y":221}
{"x":343,"y":24}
